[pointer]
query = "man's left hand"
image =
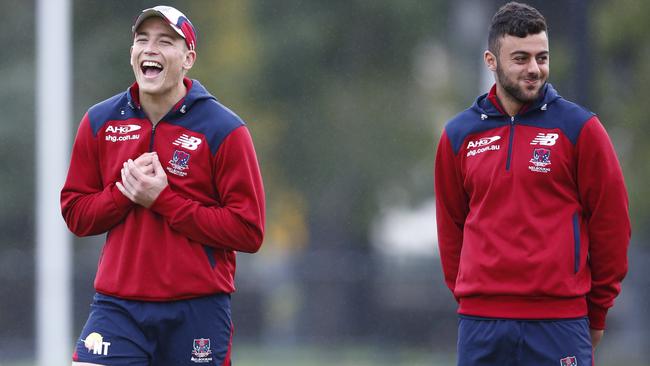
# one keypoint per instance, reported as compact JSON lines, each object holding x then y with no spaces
{"x":139,"y":187}
{"x":596,"y":336}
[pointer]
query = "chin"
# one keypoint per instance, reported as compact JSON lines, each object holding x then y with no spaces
{"x":148,"y":90}
{"x":150,"y":87}
{"x":532,"y":94}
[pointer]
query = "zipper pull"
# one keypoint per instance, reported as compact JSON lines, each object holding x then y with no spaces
{"x":512,"y":120}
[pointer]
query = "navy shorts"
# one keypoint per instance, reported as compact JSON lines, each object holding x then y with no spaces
{"x":509,"y":342}
{"x":185,"y":332}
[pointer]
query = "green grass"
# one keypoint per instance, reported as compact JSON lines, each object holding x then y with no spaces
{"x":341,"y":356}
{"x":251,"y":355}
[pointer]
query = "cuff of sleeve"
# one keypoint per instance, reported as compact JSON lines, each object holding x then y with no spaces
{"x":167,"y":202}
{"x":122,"y":203}
{"x":597,"y":316}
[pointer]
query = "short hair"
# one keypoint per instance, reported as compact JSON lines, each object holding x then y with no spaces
{"x":514,"y":19}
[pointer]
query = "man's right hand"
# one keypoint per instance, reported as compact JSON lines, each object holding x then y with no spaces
{"x":139,"y":187}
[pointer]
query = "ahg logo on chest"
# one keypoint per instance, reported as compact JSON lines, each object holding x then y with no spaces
{"x":482,"y":141}
{"x":482,"y":145}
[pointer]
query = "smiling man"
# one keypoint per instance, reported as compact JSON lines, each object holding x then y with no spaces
{"x":172,"y":178}
{"x":532,"y":211}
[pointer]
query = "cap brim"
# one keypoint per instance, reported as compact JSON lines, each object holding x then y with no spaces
{"x":149,"y":13}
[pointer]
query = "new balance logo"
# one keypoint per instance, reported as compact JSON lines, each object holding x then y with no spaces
{"x":546,"y":139}
{"x":187,"y":142}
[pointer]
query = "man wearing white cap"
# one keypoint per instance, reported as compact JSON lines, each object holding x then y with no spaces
{"x":172,"y":177}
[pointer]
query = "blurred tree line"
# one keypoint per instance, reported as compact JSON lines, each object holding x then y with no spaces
{"x":345,"y":100}
{"x":622,"y":85}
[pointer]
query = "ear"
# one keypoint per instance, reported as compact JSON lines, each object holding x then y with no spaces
{"x":190,"y":58}
{"x":490,"y":60}
{"x":131,"y":55}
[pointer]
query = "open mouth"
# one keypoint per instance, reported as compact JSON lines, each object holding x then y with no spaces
{"x":151,"y":69}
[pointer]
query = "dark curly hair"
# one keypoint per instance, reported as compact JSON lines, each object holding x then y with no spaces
{"x":514,"y":19}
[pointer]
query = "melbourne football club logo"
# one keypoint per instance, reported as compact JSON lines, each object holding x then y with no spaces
{"x":569,"y":361}
{"x":201,"y":351}
{"x":541,"y":159}
{"x":179,"y":163}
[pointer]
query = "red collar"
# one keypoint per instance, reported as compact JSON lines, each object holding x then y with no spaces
{"x":135,"y":96}
{"x":494,"y":99}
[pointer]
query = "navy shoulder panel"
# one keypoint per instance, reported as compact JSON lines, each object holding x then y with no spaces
{"x":115,"y":108}
{"x":467,"y":123}
{"x":563,"y":114}
{"x":212,"y":119}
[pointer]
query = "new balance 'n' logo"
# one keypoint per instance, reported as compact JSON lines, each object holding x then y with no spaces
{"x":546,"y":139}
{"x":187,"y":142}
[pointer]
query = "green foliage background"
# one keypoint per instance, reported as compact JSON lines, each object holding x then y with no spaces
{"x":345,"y":100}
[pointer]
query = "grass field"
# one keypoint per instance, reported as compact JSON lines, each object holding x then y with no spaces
{"x":247,"y":355}
{"x":347,"y":356}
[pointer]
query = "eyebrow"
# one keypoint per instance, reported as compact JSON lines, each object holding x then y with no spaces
{"x":520,"y":52}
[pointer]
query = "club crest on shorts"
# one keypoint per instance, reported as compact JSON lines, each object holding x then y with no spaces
{"x":541,"y":159}
{"x":569,"y":361}
{"x":179,"y":163}
{"x":201,"y":351}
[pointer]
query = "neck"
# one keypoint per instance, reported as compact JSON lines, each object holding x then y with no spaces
{"x":510,"y":105}
{"x":156,"y":106}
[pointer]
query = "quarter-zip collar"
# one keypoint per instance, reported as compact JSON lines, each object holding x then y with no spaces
{"x":487,"y":105}
{"x":195,"y":93}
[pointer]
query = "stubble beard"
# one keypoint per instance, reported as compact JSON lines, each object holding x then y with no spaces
{"x":516,"y":92}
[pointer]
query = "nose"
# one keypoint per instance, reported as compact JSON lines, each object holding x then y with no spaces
{"x":533,"y":67}
{"x":150,"y":48}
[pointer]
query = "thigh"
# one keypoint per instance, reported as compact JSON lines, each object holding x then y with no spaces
{"x":487,"y":342}
{"x":110,"y":337}
{"x":560,"y":342}
{"x":203,"y":336}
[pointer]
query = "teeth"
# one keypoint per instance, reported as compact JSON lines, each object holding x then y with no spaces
{"x":151,"y":64}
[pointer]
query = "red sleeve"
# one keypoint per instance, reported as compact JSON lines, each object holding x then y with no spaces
{"x":89,"y":207}
{"x":605,"y":203}
{"x":238,"y":224}
{"x":452,"y":207}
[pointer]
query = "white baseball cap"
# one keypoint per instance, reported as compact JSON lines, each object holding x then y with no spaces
{"x":177,"y":21}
